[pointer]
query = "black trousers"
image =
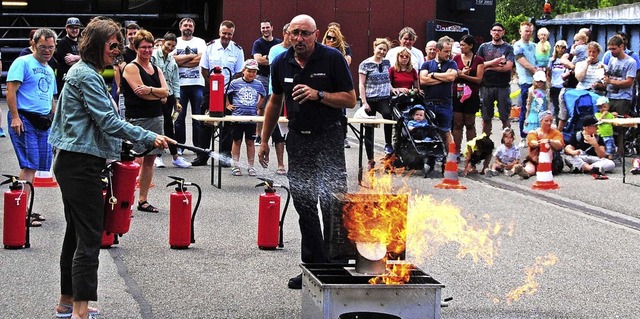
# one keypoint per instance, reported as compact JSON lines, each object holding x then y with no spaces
{"x":384,"y":108}
{"x":78,"y":175}
{"x":317,"y":171}
{"x":204,"y":140}
{"x":169,"y":132}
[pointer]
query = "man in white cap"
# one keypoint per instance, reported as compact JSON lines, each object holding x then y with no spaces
{"x":67,"y":53}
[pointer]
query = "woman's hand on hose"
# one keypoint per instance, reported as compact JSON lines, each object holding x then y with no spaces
{"x":163,"y":142}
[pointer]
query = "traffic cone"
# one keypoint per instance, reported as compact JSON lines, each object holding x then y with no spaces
{"x":44,"y":179}
{"x":544,"y":177}
{"x":450,"y":180}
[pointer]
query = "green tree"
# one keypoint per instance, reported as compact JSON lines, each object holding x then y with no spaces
{"x":507,"y":10}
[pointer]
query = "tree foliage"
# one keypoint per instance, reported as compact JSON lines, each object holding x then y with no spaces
{"x":512,"y":12}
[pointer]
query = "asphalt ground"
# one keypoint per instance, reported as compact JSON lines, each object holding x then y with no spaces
{"x":591,"y":226}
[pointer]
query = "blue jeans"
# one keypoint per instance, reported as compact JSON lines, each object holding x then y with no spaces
{"x":189,"y":95}
{"x":524,"y":93}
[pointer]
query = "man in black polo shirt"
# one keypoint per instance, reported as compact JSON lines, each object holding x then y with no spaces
{"x":316,"y":85}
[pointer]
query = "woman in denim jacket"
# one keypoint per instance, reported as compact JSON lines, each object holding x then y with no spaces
{"x":87,"y":131}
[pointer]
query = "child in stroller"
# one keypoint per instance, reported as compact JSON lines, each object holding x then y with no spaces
{"x":418,"y":144}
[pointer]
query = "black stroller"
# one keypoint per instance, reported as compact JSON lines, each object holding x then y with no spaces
{"x":421,"y":148}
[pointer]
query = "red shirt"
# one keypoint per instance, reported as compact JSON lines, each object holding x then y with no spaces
{"x":402,"y":79}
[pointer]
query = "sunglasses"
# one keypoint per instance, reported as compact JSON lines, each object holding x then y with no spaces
{"x":330,"y":38}
{"x":114,"y":45}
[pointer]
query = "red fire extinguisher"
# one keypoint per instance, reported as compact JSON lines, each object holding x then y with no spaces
{"x":216,"y":93}
{"x":270,"y":224}
{"x":121,"y":191}
{"x":181,"y":228}
{"x":16,"y":214}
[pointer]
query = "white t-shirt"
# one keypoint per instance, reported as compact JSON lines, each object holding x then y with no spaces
{"x":190,"y":76}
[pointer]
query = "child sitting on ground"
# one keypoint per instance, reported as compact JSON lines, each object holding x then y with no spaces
{"x":417,"y":126}
{"x":507,"y":156}
{"x":243,"y":98}
{"x":605,"y":130}
{"x":478,"y":149}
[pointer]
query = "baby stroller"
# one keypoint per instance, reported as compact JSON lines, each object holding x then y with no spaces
{"x":422,"y":148}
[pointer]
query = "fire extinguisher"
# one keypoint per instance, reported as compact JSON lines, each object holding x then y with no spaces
{"x":270,"y":224}
{"x":216,"y":93}
{"x":120,"y":196}
{"x":181,"y":228}
{"x":16,"y":214}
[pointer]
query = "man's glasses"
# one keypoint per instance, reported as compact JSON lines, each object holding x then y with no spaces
{"x":45,"y":48}
{"x":305,"y":34}
{"x":114,"y":45}
{"x":330,"y":38}
{"x":496,"y":30}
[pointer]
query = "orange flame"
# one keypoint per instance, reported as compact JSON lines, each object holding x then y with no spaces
{"x":416,"y":224}
{"x":531,"y":285}
{"x":397,"y":274}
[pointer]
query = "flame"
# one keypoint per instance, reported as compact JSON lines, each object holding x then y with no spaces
{"x":418,"y":225}
{"x":531,"y":285}
{"x":397,"y":274}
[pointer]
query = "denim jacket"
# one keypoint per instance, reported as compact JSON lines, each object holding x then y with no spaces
{"x":169,"y":69}
{"x":86,"y":120}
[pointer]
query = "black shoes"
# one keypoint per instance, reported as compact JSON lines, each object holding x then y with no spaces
{"x":295,"y":282}
{"x":200,"y":161}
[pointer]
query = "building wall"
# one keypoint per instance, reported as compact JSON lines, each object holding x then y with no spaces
{"x":361,"y":20}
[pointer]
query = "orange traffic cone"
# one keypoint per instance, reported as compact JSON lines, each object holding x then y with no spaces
{"x":450,"y":180}
{"x":544,"y":177}
{"x":44,"y":179}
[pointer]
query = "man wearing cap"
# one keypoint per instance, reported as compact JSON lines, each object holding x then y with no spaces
{"x":228,"y":55}
{"x":585,"y":152}
{"x":67,"y":53}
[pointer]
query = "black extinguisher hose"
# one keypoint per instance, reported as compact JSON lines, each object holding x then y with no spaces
{"x":195,"y":210}
{"x":27,"y":244}
{"x":284,"y":212}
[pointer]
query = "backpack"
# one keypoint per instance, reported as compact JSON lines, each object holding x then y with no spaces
{"x":583,"y":106}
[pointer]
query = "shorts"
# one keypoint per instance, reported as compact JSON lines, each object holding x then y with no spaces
{"x":609,"y":145}
{"x":153,"y":124}
{"x":491,"y":94}
{"x":32,"y":147}
{"x":248,"y":130}
{"x":276,"y":136}
{"x":444,"y":115}
{"x":623,"y":107}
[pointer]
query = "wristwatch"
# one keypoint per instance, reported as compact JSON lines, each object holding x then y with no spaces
{"x":432,"y":76}
{"x":320,"y":96}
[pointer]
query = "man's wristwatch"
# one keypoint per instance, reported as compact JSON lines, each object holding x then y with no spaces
{"x":432,"y":76}
{"x":320,"y":96}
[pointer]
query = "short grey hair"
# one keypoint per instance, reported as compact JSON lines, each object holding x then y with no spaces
{"x":46,"y":33}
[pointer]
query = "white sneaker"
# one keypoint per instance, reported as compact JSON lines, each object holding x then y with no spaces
{"x":180,"y":162}
{"x":158,"y":162}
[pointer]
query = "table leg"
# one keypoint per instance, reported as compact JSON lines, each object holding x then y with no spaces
{"x":624,"y":161}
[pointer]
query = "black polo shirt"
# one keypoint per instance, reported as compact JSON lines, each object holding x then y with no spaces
{"x":326,"y":70}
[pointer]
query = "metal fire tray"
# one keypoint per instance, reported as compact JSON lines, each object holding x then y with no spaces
{"x":330,"y":291}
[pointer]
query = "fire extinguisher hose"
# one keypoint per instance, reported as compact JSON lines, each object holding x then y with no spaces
{"x":284,"y":212}
{"x":27,"y":243}
{"x":195,"y":210}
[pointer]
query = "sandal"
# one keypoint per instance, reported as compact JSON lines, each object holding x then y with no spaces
{"x":252,"y":171}
{"x":146,"y":207}
{"x":68,"y":310}
{"x":37,"y":217}
{"x":236,"y":171}
{"x":281,"y":171}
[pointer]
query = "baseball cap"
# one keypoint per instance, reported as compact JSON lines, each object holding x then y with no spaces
{"x":589,"y":120}
{"x":73,"y":22}
{"x":250,"y":64}
{"x":602,"y":100}
{"x":539,"y":76}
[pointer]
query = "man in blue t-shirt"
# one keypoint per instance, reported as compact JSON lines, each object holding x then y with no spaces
{"x":436,"y":80}
{"x":525,"y":57}
{"x":31,"y":85}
